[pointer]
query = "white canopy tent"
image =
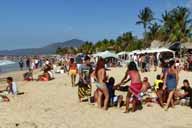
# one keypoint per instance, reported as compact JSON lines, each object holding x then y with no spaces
{"x":123,"y":55}
{"x":156,"y":50}
{"x":105,"y":54}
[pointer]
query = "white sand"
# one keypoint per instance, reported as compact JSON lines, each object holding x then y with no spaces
{"x":55,"y":104}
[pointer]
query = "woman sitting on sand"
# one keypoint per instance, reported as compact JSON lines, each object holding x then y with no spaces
{"x":136,"y":84}
{"x":100,"y":74}
{"x":170,"y":83}
{"x":44,"y":77}
{"x":73,"y":71}
{"x":28,"y":76}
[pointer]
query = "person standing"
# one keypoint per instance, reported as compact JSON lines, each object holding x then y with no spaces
{"x":135,"y":88}
{"x":36,"y":63}
{"x":85,"y":71}
{"x":73,"y":71}
{"x":142,"y":63}
{"x":101,"y":78}
{"x":28,"y":63}
{"x":155,"y":61}
{"x":170,"y":83}
{"x":21,"y":64}
{"x":147,"y":62}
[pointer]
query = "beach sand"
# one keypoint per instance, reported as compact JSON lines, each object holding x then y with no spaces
{"x":55,"y":104}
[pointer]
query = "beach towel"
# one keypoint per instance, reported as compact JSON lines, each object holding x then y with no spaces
{"x":84,"y":90}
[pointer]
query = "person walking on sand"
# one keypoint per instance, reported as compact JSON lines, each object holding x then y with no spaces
{"x":73,"y":71}
{"x":135,"y":88}
{"x":101,"y":78}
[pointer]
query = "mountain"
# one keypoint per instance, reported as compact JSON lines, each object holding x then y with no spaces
{"x":49,"y":49}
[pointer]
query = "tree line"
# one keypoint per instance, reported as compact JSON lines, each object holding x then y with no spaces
{"x":174,"y":25}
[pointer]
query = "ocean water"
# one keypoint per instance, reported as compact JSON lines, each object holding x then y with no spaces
{"x":8,"y":66}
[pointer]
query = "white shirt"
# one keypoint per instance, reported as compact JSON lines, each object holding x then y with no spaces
{"x":47,"y":62}
{"x":14,"y":88}
{"x":36,"y":61}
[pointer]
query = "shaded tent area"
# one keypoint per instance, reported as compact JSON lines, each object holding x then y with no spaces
{"x":111,"y":58}
{"x":106,"y":54}
{"x":151,"y":51}
{"x":123,"y":55}
{"x":181,"y":48}
{"x":161,"y":52}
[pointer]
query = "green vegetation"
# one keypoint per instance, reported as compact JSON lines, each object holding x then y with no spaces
{"x":174,"y":25}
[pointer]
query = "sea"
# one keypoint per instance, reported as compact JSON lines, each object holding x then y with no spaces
{"x":8,"y":66}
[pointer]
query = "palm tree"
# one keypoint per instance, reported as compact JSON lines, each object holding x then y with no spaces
{"x":145,"y":17}
{"x":177,"y":24}
{"x":87,"y":48}
{"x":153,"y":31}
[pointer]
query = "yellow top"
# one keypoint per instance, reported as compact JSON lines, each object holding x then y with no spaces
{"x":156,"y":84}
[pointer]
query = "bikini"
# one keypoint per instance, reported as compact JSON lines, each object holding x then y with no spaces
{"x":73,"y":70}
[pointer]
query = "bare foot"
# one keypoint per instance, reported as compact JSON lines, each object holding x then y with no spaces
{"x":126,"y":111}
{"x":104,"y":108}
{"x":166,"y":108}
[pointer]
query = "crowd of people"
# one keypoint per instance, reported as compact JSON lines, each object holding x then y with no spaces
{"x":164,"y":91}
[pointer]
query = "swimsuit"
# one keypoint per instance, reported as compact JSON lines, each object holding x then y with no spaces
{"x":171,"y":82}
{"x":99,"y":85}
{"x":72,"y":72}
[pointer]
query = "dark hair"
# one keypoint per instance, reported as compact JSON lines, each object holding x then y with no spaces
{"x":87,"y":58}
{"x":100,"y":65}
{"x":171,"y":63}
{"x":111,"y":80}
{"x":158,"y":77}
{"x":72,"y":60}
{"x":160,"y":85}
{"x":10,"y":79}
{"x":186,"y":81}
{"x":132,"y":66}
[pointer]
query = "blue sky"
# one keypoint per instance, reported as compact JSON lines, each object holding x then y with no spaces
{"x":36,"y":23}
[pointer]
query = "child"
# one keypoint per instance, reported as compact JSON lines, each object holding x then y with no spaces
{"x":188,"y":92}
{"x":160,"y":94}
{"x":12,"y":87}
{"x":157,"y":81}
{"x":146,"y":85}
{"x":113,"y":99}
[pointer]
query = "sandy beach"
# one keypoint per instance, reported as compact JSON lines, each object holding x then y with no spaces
{"x":54,"y":104}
